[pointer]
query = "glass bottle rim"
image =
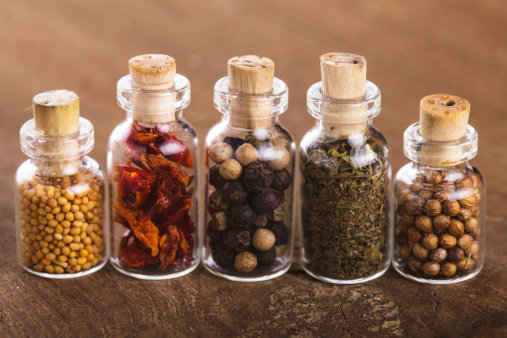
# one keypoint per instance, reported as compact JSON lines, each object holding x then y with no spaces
{"x":279,"y":97}
{"x":181,"y":91}
{"x":317,"y":102}
{"x":466,"y":146}
{"x":32,"y":141}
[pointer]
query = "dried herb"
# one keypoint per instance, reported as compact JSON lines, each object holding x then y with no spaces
{"x":154,"y":199}
{"x":344,"y":208}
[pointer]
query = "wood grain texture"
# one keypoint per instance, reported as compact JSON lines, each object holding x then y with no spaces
{"x":413,"y":48}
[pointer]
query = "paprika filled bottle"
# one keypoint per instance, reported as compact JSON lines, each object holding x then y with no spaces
{"x":345,"y":171}
{"x":60,"y":192}
{"x":152,"y":165}
{"x":250,"y":169}
{"x":440,"y":196}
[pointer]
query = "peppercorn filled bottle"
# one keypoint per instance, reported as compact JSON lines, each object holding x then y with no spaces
{"x":345,"y":170}
{"x":440,"y":196}
{"x":250,"y":165}
{"x":152,"y":174}
{"x":59,"y":195}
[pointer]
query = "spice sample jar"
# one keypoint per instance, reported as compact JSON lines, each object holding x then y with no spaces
{"x":152,"y":174}
{"x":345,"y":174}
{"x":59,"y":195}
{"x":250,"y":170}
{"x":440,"y":196}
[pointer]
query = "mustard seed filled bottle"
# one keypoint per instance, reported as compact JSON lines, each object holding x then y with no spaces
{"x":60,"y":192}
{"x":153,"y":191}
{"x":345,"y":174}
{"x":440,"y":196}
{"x":250,"y":169}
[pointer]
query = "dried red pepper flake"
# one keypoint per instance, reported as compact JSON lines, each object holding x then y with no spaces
{"x":132,"y":253}
{"x":146,"y":232}
{"x":153,"y":199}
{"x":173,"y":247}
{"x":175,"y":150}
{"x":130,"y":183}
{"x":150,"y":177}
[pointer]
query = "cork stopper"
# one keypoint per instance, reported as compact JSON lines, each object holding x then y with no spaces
{"x":56,"y":113}
{"x":153,"y":72}
{"x":343,"y":75}
{"x":444,"y":117}
{"x":251,"y":74}
{"x":343,"y":78}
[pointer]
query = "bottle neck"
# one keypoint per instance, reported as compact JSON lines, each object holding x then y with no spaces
{"x":337,"y":130}
{"x":439,"y":154}
{"x":153,"y":119}
{"x":153,"y":106}
{"x":342,"y":119}
{"x":57,"y":156}
{"x":247,"y":123}
{"x":250,"y":111}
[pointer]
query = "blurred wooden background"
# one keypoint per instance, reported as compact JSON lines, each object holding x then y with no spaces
{"x":413,"y":48}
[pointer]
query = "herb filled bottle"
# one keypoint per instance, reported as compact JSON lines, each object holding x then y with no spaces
{"x":59,"y":194}
{"x":250,"y":166}
{"x":345,"y":170}
{"x":152,"y":174}
{"x":440,"y":196}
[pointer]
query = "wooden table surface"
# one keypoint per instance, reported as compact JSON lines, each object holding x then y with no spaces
{"x":413,"y":48}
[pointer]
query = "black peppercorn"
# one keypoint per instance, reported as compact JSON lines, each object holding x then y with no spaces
{"x":240,"y":216}
{"x":282,"y":180}
{"x":223,"y":255}
{"x":266,"y":201}
{"x":235,"y":192}
{"x":234,"y":142}
{"x":215,"y":179}
{"x":257,"y":177}
{"x":279,"y":229}
{"x":239,"y":240}
{"x":266,"y":258}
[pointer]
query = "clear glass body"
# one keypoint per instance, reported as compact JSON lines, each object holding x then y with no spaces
{"x":59,"y":206}
{"x":345,"y":177}
{"x":440,"y":211}
{"x":248,"y":233}
{"x":153,"y":188}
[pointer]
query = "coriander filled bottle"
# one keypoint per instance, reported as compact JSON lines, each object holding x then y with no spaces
{"x":440,"y":196}
{"x":152,"y":161}
{"x":59,"y":198}
{"x":250,"y":170}
{"x":345,"y":174}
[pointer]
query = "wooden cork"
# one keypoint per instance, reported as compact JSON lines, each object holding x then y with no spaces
{"x":56,"y":114}
{"x":343,"y":78}
{"x":153,"y":72}
{"x":251,"y":74}
{"x":443,"y":118}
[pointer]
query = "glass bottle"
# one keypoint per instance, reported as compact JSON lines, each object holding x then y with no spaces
{"x":345,"y":176}
{"x":440,"y":196}
{"x":250,"y":169}
{"x":153,"y":186}
{"x":59,"y":192}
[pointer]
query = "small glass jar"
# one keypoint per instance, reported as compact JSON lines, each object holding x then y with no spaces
{"x":345,"y":176}
{"x":60,"y":204}
{"x":152,"y":161}
{"x":440,"y":210}
{"x":249,"y":191}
